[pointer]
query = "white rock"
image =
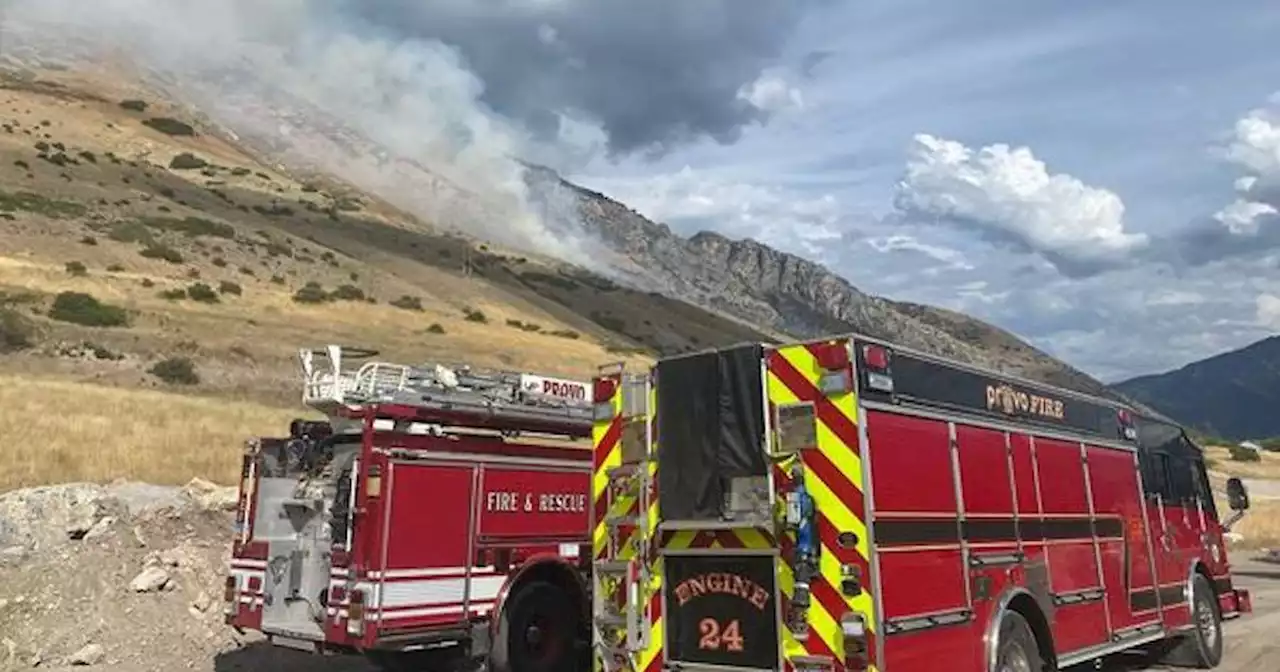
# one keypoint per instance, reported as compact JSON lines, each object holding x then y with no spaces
{"x":100,"y":528}
{"x":211,"y":496}
{"x":91,"y":654}
{"x":151,"y":579}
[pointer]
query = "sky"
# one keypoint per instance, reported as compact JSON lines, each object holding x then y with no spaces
{"x":1100,"y":178}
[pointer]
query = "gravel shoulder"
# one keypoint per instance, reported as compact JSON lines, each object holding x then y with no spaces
{"x":126,"y":578}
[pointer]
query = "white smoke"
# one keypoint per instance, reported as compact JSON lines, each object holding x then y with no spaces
{"x":400,"y":119}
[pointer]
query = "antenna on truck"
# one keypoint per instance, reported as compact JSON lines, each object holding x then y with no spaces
{"x":340,"y":377}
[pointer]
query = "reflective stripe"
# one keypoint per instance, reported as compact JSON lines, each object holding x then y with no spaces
{"x":833,"y":476}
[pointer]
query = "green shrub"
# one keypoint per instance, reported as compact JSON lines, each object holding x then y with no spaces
{"x":348,"y":293}
{"x":176,"y":371}
{"x":162,"y":252}
{"x":407,"y":302}
{"x":228,"y":287}
{"x":17,"y":331}
{"x":473,"y":315}
{"x":134,"y":105}
{"x":435,"y":328}
{"x":187,"y":161}
{"x":77,"y":269}
{"x":176,"y":294}
{"x":566,"y":333}
{"x":1242,"y":454}
{"x":84,"y":309}
{"x":41,"y":205}
{"x":202,"y":293}
{"x":131,"y":232}
{"x":89,"y":240}
{"x":312,"y":292}
{"x":277,"y":279}
{"x":169,"y":126}
{"x":523,"y":326}
{"x":115,"y":268}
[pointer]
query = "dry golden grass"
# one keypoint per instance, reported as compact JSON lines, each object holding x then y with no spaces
{"x":1260,"y":527}
{"x":1268,"y":467}
{"x":61,"y":431}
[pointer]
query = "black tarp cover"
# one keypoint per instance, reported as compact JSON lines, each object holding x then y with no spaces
{"x":710,"y":429}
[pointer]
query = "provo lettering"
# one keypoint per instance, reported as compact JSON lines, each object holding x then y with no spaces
{"x":722,"y":583}
{"x":556,"y":388}
{"x":1012,"y":401}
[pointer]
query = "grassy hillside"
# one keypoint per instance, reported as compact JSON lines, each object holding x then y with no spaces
{"x":151,"y":270}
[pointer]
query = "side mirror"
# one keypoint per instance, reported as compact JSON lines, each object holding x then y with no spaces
{"x":1237,"y":494}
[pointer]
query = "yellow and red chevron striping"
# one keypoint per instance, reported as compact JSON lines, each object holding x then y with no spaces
{"x":833,"y":476}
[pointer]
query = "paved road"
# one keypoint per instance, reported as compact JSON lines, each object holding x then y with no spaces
{"x":1252,"y":641}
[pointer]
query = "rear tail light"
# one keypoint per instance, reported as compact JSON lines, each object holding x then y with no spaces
{"x":355,"y":614}
{"x":1126,"y":425}
{"x":602,"y":391}
{"x":876,"y":360}
{"x":832,"y":356}
{"x":875,"y":357}
{"x":231,"y":599}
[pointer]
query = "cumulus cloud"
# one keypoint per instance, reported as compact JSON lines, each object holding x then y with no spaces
{"x":953,"y":259}
{"x":772,"y":93}
{"x":1268,"y":311}
{"x":1010,"y":195}
{"x":1250,"y":223}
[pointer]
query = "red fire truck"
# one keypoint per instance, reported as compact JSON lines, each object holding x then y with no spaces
{"x":437,"y":519}
{"x":848,"y":505}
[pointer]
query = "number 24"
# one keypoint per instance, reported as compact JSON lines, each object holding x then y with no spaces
{"x":714,"y":637}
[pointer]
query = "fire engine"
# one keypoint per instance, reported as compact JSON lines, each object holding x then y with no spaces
{"x":438,"y":518}
{"x":848,"y":505}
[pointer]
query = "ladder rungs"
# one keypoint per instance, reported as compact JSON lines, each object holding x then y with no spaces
{"x":619,"y":521}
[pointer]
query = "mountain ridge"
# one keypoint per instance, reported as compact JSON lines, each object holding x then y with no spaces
{"x":1233,"y":394}
{"x":792,"y":295}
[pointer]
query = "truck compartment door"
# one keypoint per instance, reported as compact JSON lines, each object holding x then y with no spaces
{"x":423,"y":580}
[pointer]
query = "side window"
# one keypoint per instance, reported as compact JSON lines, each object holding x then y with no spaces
{"x":1154,"y":478}
{"x":1203,"y":490}
{"x":1181,"y":488}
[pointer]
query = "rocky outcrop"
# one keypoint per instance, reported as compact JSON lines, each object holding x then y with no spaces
{"x":793,"y":296}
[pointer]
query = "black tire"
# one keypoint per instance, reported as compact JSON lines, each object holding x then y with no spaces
{"x":540,"y":630}
{"x":1017,"y":650}
{"x":1200,"y":648}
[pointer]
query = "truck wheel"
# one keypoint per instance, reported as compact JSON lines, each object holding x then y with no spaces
{"x":538,"y":632}
{"x":1202,"y":646}
{"x":1017,"y":650}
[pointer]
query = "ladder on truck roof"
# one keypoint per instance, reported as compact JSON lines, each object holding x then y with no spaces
{"x":339,"y":378}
